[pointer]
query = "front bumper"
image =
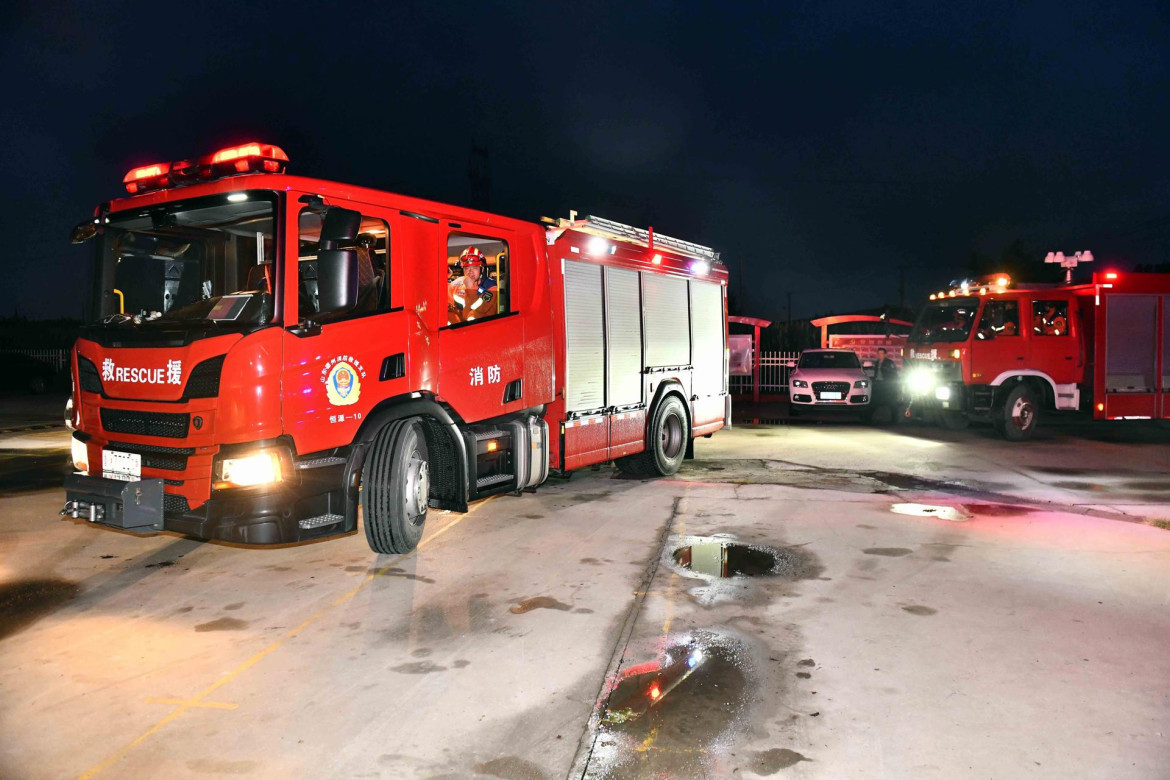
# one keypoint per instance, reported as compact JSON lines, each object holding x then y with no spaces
{"x":316,"y":505}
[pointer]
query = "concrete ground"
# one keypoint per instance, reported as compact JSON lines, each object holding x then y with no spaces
{"x":937,"y":604}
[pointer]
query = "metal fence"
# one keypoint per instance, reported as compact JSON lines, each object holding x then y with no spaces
{"x":773,"y":374}
{"x":57,"y":358}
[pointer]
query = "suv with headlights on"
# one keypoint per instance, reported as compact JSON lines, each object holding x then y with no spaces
{"x":828,"y":379}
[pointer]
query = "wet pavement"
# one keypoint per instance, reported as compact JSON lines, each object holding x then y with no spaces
{"x":818,"y":600}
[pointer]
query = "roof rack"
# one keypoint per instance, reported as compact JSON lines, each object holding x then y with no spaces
{"x":647,"y":238}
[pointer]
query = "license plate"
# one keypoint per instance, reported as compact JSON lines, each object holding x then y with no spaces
{"x":125,"y":466}
{"x":831,"y":396}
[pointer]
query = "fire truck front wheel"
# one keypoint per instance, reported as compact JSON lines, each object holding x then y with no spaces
{"x":1016,"y":419}
{"x":396,"y":487}
{"x":666,"y":442}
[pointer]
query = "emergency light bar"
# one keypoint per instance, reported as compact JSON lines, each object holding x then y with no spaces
{"x":246,"y":158}
{"x":982,"y":285}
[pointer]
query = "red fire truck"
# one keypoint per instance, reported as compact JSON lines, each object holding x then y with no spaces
{"x":990,"y":350}
{"x":269,"y":352}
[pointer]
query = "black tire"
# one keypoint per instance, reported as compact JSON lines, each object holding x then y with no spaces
{"x":395,"y":488}
{"x":1016,"y":420}
{"x":793,"y":411}
{"x":667,"y":438}
{"x":952,"y":420}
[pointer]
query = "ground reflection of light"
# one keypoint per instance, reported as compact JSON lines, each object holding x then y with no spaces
{"x":954,"y":514}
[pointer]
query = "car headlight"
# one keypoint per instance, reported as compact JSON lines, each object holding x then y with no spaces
{"x":799,"y":383}
{"x":921,"y":381}
{"x":861,"y":383}
{"x":258,"y":468}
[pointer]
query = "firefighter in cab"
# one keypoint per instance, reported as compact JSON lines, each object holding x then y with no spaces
{"x":472,"y":296}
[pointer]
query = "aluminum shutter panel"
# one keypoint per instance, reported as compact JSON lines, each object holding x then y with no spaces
{"x":584,"y":337}
{"x":624,"y":319}
{"x":668,"y":331}
{"x":707,"y":335}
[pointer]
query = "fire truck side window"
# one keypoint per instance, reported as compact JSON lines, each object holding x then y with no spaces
{"x":1050,"y":318}
{"x":477,"y":277}
{"x":373,"y":250}
{"x":1000,"y":319}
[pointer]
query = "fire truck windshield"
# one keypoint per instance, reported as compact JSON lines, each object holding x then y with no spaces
{"x":203,"y":261}
{"x":946,"y":320}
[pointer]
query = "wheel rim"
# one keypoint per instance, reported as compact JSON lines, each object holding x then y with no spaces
{"x":1023,"y":413}
{"x":418,"y":487}
{"x":671,"y":436}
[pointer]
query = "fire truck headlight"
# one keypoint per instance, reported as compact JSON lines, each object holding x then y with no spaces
{"x":920,"y":382}
{"x":80,"y":455}
{"x":260,"y":468}
{"x":942,"y":393}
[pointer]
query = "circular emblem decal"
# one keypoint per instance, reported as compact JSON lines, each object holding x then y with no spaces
{"x":342,"y":384}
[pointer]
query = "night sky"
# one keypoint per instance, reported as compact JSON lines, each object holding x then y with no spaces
{"x":818,"y":146}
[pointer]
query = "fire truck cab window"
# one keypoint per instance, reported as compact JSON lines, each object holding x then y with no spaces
{"x":1000,"y":319}
{"x":1050,"y":318}
{"x":372,"y":245}
{"x":190,"y":261}
{"x":476,"y":275}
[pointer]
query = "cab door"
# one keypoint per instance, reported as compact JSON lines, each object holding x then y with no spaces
{"x":999,"y":343}
{"x":481,"y":356}
{"x":339,"y":367}
{"x":1055,"y":337}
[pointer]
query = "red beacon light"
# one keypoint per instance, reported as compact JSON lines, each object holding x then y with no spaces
{"x":252,"y":157}
{"x":245,"y":158}
{"x":147,"y":177}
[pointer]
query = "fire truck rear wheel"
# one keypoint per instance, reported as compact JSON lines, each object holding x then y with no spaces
{"x":666,"y":442}
{"x":396,"y":487}
{"x":1017,"y":418}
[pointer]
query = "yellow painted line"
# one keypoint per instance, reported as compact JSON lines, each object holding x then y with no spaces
{"x":211,"y":705}
{"x":197,"y":700}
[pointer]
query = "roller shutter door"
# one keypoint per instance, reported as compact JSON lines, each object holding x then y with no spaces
{"x":667,"y":321}
{"x":584,"y":337}
{"x":624,"y":318}
{"x":707,"y":334}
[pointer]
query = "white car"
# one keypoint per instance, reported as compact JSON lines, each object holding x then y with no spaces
{"x":829,"y":378}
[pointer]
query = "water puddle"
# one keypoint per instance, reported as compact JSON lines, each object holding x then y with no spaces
{"x":727,"y":559}
{"x":954,"y":514}
{"x":23,"y":603}
{"x":664,"y":717}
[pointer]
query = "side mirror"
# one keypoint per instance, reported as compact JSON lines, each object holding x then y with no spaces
{"x":337,"y":280}
{"x":867,"y":364}
{"x":790,"y":363}
{"x":84,"y":232}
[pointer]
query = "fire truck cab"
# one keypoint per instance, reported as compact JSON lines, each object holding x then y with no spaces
{"x":988,"y":350}
{"x":267,"y":353}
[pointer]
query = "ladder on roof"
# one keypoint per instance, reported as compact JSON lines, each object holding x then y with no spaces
{"x":616,"y":230}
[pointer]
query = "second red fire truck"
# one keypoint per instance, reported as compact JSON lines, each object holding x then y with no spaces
{"x":991,"y":350}
{"x":269,"y":352}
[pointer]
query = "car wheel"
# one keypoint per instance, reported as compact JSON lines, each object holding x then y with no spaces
{"x":396,"y":488}
{"x":1017,"y":418}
